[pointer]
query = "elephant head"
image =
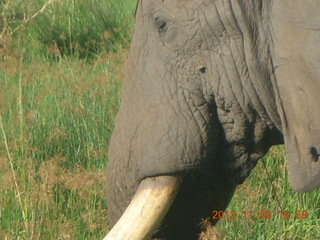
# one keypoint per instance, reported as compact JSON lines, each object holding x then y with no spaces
{"x":210,"y":86}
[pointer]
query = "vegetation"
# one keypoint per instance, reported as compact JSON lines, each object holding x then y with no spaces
{"x":266,"y":207}
{"x":60,"y":75}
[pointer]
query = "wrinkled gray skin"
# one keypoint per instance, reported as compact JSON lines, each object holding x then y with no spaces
{"x":210,"y":86}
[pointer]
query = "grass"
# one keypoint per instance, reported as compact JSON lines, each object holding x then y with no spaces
{"x":267,"y":208}
{"x":58,"y":101}
{"x":57,"y":120}
{"x":58,"y":28}
{"x":60,"y":77}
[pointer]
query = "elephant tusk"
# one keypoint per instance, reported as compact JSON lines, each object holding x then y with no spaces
{"x":147,"y":209}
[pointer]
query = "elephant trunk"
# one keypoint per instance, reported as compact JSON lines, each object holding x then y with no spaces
{"x":147,"y":209}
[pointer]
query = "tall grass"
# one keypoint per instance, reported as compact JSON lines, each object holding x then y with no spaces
{"x":69,"y":27}
{"x":60,"y":77}
{"x":57,"y":121}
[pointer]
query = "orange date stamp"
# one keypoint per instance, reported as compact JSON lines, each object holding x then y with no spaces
{"x":303,"y":214}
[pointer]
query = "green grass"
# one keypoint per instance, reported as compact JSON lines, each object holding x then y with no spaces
{"x":266,"y":198}
{"x":58,"y":28}
{"x":60,"y":77}
{"x":58,"y":101}
{"x":57,"y":120}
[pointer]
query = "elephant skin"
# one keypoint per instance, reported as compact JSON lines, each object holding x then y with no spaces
{"x":210,"y":86}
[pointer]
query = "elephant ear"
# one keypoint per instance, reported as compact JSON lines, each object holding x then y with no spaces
{"x":303,"y":163}
{"x":295,"y":57}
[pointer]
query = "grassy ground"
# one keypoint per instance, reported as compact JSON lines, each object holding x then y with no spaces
{"x":266,"y":207}
{"x":56,"y":121}
{"x":60,"y":76}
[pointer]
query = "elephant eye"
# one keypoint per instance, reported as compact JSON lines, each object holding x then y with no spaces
{"x":168,"y":31}
{"x":161,"y":25}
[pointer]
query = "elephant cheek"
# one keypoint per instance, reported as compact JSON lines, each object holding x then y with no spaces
{"x":168,"y":141}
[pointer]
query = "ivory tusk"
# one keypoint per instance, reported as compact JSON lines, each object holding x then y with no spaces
{"x":147,"y":209}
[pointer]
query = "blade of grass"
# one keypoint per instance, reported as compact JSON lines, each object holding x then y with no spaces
{"x":18,"y":193}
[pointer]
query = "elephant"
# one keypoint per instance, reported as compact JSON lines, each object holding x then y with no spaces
{"x":210,"y":86}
